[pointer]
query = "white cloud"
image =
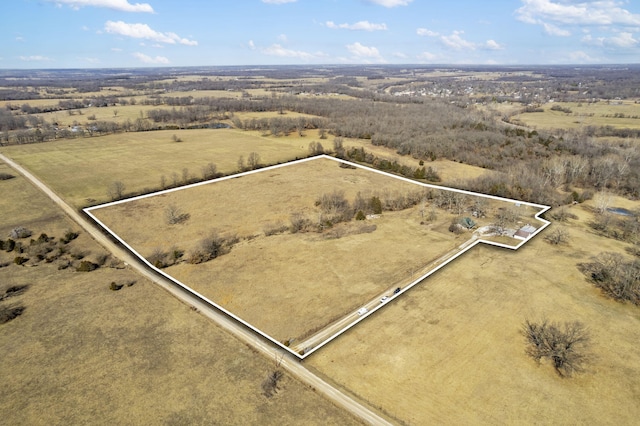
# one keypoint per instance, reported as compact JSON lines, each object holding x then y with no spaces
{"x":149,"y":60}
{"x":455,"y":41}
{"x":362,"y":52}
{"x":251,"y":45}
{"x":493,"y":45}
{"x":567,"y":12}
{"x":121,"y":5}
{"x":554,"y":30}
{"x":278,"y":1}
{"x":116,"y":49}
{"x":427,"y":56}
{"x":282,"y":37}
{"x":35,"y":58}
{"x":145,"y":32}
{"x":400,"y":55}
{"x":358,"y":26}
{"x":580,"y":57}
{"x":426,"y":32}
{"x":91,"y":60}
{"x":390,"y":3}
{"x":20,"y":39}
{"x":622,"y":40}
{"x":278,"y":50}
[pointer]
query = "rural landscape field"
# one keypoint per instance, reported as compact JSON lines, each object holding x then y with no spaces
{"x":291,"y":197}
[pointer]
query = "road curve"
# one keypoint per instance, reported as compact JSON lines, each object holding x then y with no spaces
{"x":288,"y":362}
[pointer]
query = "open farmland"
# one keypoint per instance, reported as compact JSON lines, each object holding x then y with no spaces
{"x":450,"y":351}
{"x":139,"y":160}
{"x":290,"y":285}
{"x":574,"y":115}
{"x":81,"y":353}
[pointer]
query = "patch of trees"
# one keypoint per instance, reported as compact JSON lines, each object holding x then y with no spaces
{"x":566,"y":345}
{"x":616,"y":277}
{"x":334,"y":208}
{"x":360,"y":155}
{"x":49,"y":250}
{"x":211,"y":247}
{"x":620,"y":227}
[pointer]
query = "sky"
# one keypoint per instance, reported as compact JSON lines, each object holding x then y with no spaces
{"x":171,"y":33}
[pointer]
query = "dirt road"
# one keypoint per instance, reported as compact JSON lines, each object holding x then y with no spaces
{"x":289,"y":362}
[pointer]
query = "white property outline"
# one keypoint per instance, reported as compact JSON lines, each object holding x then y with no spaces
{"x":463,"y":248}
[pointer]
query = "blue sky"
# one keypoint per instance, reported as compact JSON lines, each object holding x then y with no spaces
{"x":134,"y":33}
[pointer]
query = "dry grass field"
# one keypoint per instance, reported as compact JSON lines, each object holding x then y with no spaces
{"x":450,"y":350}
{"x":81,"y":170}
{"x":83,"y":354}
{"x":585,"y":114}
{"x":290,"y":285}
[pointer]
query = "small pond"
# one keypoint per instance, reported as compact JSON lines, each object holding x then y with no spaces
{"x":620,"y":211}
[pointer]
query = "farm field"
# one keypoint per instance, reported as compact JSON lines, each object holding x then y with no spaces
{"x":81,"y":353}
{"x":139,"y":160}
{"x":449,"y":349}
{"x":451,"y":352}
{"x":583,"y":114}
{"x":291,"y":285}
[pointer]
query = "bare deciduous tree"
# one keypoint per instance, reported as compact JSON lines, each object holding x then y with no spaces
{"x":617,"y":278}
{"x":602,"y":201}
{"x":210,"y":171}
{"x":116,"y":190}
{"x":557,"y":236}
{"x":566,"y":346}
{"x":173,"y":215}
{"x":253,"y":160}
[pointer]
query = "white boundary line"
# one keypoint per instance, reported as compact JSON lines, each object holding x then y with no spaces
{"x":543,"y":209}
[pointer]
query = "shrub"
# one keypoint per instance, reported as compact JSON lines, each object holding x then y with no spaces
{"x":376,"y":205}
{"x":557,"y":236}
{"x":270,"y":384}
{"x":86,"y":266}
{"x":299,"y":222}
{"x":20,"y":232}
{"x":173,"y":215}
{"x":562,"y":214}
{"x":9,"y":313}
{"x":360,"y":215}
{"x":19,"y":260}
{"x":273,"y":229}
{"x":69,"y":236}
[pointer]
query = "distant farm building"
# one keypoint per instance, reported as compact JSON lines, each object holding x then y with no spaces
{"x":525,"y":232}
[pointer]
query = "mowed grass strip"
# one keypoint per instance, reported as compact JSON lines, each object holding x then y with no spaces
{"x":288,"y":285}
{"x":81,"y":353}
{"x":81,"y":170}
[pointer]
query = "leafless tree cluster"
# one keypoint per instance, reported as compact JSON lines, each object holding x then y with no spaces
{"x":211,"y":247}
{"x":566,"y":345}
{"x":616,"y":277}
{"x":163,"y":259}
{"x":115,"y":191}
{"x":557,"y":236}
